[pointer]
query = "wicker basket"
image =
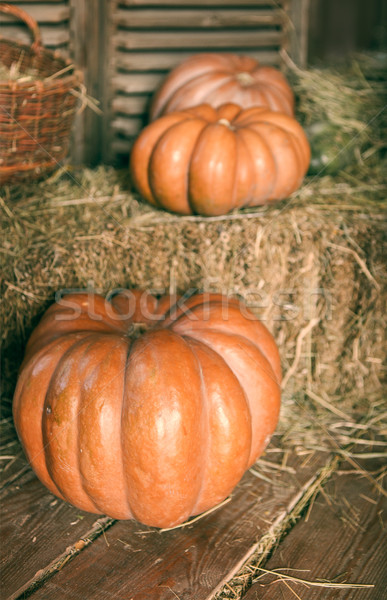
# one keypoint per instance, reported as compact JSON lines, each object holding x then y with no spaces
{"x":36,"y":112}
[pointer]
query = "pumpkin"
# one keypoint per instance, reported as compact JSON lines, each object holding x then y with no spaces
{"x":209,"y":161}
{"x":219,"y":78}
{"x":135,"y":408}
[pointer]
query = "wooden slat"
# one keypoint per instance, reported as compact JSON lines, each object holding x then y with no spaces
{"x":131,"y":105}
{"x":87,"y":50}
{"x":35,"y":528}
{"x":43,"y":13}
{"x":128,"y":126}
{"x":137,"y":82}
{"x":164,"y":60}
{"x":298,"y":13}
{"x":343,"y":540}
{"x":29,"y":2}
{"x":135,"y":562}
{"x":243,"y":38}
{"x":122,"y":147}
{"x":180,"y":3}
{"x":197,"y":18}
{"x":52,"y":37}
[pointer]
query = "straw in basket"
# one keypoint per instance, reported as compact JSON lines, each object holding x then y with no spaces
{"x":37,"y":106}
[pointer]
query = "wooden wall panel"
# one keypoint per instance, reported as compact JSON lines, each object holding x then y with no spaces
{"x":125,"y":48}
{"x":53,"y":18}
{"x":149,"y":38}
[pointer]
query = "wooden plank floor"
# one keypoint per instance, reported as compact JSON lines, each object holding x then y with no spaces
{"x":41,"y":534}
{"x":51,"y":550}
{"x":342,"y":539}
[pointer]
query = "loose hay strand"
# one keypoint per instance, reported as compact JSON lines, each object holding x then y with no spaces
{"x":307,"y":582}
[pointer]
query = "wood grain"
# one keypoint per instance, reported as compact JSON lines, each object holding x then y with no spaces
{"x":343,"y":540}
{"x":35,"y":528}
{"x":207,"y":18}
{"x":43,"y":13}
{"x":203,"y":40}
{"x":164,"y":60}
{"x":131,"y":105}
{"x":137,"y":562}
{"x":52,"y":36}
{"x":202,"y":2}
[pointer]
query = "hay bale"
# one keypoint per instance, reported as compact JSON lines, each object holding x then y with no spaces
{"x":311,"y":268}
{"x":343,"y":111}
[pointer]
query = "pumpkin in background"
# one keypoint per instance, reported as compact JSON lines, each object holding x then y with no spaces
{"x":210,"y":161}
{"x":156,"y":425}
{"x":219,"y":78}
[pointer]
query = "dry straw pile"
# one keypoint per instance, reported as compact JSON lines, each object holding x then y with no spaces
{"x":311,"y":267}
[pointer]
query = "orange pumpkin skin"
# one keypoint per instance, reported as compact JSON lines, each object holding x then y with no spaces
{"x":156,"y":428}
{"x":210,"y":161}
{"x":219,"y":78}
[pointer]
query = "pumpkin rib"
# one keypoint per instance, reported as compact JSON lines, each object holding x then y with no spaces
{"x":43,"y":334}
{"x":269,"y":372}
{"x":256,"y":408}
{"x":170,"y":175}
{"x":195,"y":91}
{"x":21,"y":407}
{"x":60,"y":471}
{"x":247,"y":197}
{"x":262,"y":339}
{"x":214,"y":97}
{"x":252,"y":122}
{"x":124,"y":399}
{"x":164,"y":430}
{"x":209,"y":194}
{"x":272,"y":361}
{"x":292,"y":127}
{"x":141,"y":153}
{"x":269,"y":168}
{"x":204,"y":398}
{"x":280,"y":88}
{"x":221,"y":454}
{"x":99,"y":426}
{"x":287,"y":173}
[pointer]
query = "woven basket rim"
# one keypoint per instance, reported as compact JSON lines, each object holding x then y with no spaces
{"x":73,"y":76}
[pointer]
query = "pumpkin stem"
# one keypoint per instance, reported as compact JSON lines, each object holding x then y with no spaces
{"x":136,"y":330}
{"x":245,"y":79}
{"x":225,"y":122}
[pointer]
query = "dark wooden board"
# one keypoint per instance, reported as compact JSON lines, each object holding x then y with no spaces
{"x":138,"y":563}
{"x":343,"y":540}
{"x":199,"y":17}
{"x":43,"y":13}
{"x":206,"y":3}
{"x":35,"y":529}
{"x":13,"y":464}
{"x":53,"y":36}
{"x":200,"y":39}
{"x":163,"y":60}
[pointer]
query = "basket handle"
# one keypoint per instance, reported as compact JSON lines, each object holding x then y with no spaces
{"x":28,"y":20}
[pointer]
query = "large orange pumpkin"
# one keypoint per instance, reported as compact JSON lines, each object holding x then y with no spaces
{"x":209,"y":161}
{"x":155,"y":426}
{"x":219,"y":78}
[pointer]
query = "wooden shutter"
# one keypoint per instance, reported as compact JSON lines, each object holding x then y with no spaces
{"x":150,"y":37}
{"x":53,"y":18}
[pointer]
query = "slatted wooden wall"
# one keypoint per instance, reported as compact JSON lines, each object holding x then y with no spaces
{"x":126,"y":47}
{"x":150,"y":37}
{"x":53,"y":17}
